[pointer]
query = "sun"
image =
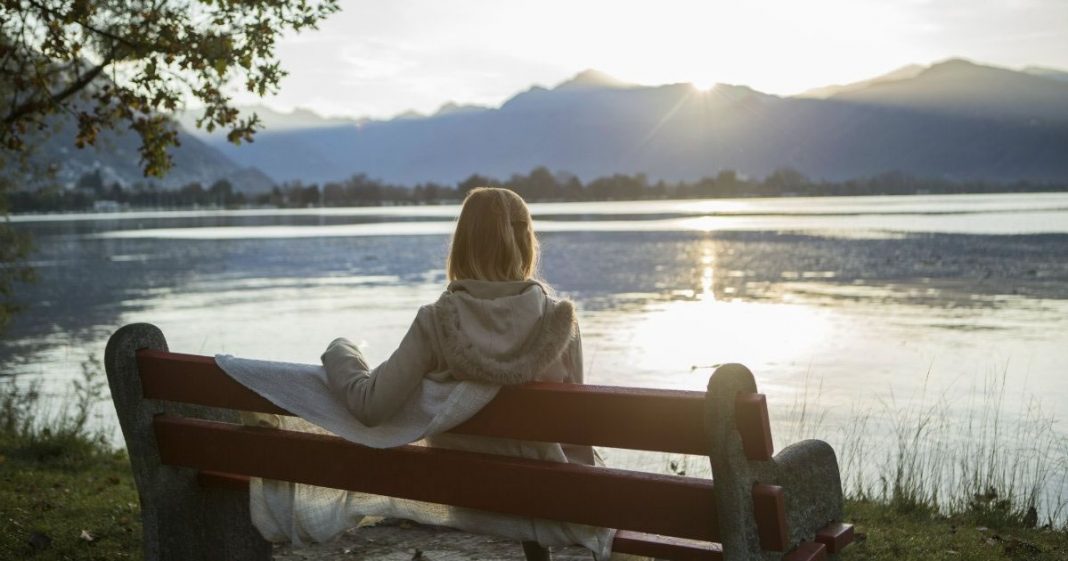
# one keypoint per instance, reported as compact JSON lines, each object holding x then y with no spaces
{"x":703,"y":84}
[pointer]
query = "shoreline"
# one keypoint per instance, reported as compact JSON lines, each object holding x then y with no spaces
{"x":438,"y":208}
{"x":61,"y":506}
{"x":65,"y":493}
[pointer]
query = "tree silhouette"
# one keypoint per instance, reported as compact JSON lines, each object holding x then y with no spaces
{"x":91,"y":65}
{"x":102,"y":64}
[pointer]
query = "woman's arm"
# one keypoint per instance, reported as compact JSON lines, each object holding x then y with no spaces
{"x":575,"y":453}
{"x":374,"y":396}
{"x":573,"y":358}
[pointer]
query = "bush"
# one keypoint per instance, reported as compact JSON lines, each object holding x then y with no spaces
{"x":32,"y":429}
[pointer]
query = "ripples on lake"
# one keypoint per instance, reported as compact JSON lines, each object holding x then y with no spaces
{"x":850,"y":305}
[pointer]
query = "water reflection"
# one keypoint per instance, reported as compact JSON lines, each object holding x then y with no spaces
{"x":869,"y":319}
{"x":837,"y":216}
{"x":89,"y":284}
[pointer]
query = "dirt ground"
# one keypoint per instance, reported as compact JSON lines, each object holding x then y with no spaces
{"x":398,"y":540}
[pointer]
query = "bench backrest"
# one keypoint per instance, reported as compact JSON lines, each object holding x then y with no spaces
{"x":747,"y":509}
{"x":661,"y":504}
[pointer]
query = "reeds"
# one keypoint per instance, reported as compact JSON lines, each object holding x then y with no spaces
{"x":972,"y":457}
{"x":61,"y":427}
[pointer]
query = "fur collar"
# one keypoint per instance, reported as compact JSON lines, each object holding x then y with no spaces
{"x":547,"y":342}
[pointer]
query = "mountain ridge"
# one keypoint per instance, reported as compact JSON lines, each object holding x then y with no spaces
{"x":951,"y":119}
{"x":1008,"y":125}
{"x":595,"y":79}
{"x":116,"y":157}
{"x":823,"y":92}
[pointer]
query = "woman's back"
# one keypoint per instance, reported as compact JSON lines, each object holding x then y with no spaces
{"x":503,"y":332}
{"x":507,"y":332}
{"x":494,"y":323}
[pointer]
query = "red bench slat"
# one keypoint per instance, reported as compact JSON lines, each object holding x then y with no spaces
{"x":664,"y":547}
{"x":222,"y":480}
{"x":637,"y":419}
{"x":751,"y":417}
{"x":635,"y":543}
{"x":197,"y":380}
{"x":626,"y":541}
{"x":835,"y":536}
{"x":769,"y":510}
{"x":659,"y":504}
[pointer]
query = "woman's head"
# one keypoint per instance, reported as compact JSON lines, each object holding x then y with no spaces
{"x":494,"y":238}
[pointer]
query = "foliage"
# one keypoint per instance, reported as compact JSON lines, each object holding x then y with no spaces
{"x":105,"y":63}
{"x":93,"y":65}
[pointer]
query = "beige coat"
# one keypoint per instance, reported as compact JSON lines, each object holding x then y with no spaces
{"x":501,"y":333}
{"x":496,"y":332}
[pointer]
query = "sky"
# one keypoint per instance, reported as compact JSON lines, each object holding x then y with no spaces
{"x":381,"y":58}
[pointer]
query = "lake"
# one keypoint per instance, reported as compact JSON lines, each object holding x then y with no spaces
{"x":860,"y":316}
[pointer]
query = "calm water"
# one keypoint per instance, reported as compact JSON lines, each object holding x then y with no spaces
{"x":857,"y":307}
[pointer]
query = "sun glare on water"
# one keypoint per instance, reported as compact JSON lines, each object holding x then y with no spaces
{"x":710,"y":326}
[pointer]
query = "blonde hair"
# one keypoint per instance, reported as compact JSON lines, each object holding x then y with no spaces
{"x":494,"y":238}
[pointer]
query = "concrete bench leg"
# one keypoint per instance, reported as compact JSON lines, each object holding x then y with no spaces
{"x":182,"y":521}
{"x":806,"y":473}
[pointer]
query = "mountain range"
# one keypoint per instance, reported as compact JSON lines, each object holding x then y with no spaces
{"x":116,"y":157}
{"x":954,"y":119}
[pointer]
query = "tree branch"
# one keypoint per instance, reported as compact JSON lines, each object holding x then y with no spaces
{"x":74,"y":87}
{"x":52,"y":13}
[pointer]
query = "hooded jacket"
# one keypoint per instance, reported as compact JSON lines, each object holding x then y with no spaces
{"x":495,"y":332}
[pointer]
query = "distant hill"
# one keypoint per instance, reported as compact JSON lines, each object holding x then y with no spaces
{"x":902,"y":73}
{"x":1044,"y":72}
{"x":272,"y":120}
{"x":116,"y":155}
{"x":955,"y":120}
{"x":960,"y":87}
{"x":591,"y":79}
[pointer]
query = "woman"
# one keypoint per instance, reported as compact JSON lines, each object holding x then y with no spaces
{"x":495,"y":323}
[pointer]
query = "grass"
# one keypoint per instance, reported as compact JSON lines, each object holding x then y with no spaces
{"x":66,"y":493}
{"x":886,"y":533}
{"x":67,"y":507}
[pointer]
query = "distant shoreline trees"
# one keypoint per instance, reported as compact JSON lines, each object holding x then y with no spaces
{"x":540,"y":185}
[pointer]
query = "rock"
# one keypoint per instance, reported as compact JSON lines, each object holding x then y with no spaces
{"x":39,"y":541}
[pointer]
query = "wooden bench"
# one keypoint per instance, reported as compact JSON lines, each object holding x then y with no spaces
{"x":192,"y":459}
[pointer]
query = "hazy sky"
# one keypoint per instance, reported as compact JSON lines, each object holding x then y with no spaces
{"x":379,"y":58}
